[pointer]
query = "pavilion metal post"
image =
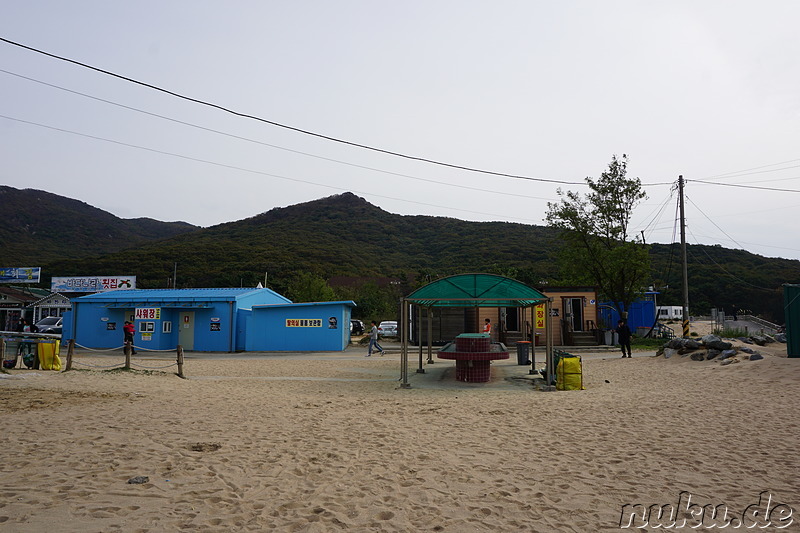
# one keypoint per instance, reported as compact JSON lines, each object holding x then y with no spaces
{"x":420,"y":370}
{"x":404,"y":345}
{"x":549,"y":334}
{"x":430,"y":335}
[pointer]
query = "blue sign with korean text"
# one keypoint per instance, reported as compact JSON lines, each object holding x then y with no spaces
{"x":20,"y":275}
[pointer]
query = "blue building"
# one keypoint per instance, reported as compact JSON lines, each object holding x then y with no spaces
{"x":197,"y":319}
{"x":641,"y":313}
{"x":318,"y":326}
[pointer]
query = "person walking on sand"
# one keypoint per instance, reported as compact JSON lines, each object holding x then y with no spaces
{"x":624,"y":333}
{"x":373,"y":340}
{"x":128,"y":330}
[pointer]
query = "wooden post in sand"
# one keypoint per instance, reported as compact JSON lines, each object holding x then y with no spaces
{"x":180,"y":361}
{"x":3,"y":350}
{"x":127,"y":350}
{"x":70,"y":353}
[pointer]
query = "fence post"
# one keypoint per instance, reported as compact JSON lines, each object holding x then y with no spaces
{"x":127,"y":350}
{"x":180,"y":361}
{"x":3,"y":351}
{"x":70,"y":353}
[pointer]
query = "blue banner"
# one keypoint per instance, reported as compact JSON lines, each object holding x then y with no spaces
{"x":20,"y":275}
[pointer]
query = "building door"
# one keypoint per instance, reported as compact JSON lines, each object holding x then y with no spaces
{"x":511,"y":318}
{"x":573,"y":313}
{"x":577,"y":314}
{"x":186,"y":329}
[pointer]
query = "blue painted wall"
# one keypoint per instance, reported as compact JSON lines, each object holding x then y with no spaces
{"x":321,"y":326}
{"x":96,"y":320}
{"x":640,"y":314}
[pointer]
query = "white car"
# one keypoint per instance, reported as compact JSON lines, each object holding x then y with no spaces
{"x":388,"y":328}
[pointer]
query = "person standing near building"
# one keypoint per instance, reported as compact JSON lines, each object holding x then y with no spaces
{"x":487,"y":326}
{"x":26,"y":346}
{"x":373,"y":340}
{"x":128,"y":331}
{"x":624,"y":335}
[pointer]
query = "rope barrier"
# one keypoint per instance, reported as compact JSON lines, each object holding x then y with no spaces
{"x":74,"y":362}
{"x":154,"y":367}
{"x":122,"y":348}
{"x":127,"y":364}
{"x":93,"y":350}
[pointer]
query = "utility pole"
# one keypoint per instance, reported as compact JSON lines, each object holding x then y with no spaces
{"x":685,"y":266}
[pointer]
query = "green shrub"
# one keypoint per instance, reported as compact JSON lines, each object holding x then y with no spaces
{"x":730,"y":333}
{"x":646,"y":343}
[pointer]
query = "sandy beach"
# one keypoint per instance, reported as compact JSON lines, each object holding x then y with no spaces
{"x":330,"y":442}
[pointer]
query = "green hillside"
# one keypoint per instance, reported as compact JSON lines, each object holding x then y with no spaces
{"x":39,"y":227}
{"x":344,"y":236}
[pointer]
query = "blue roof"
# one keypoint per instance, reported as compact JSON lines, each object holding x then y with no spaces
{"x":179,"y":295}
{"x":349,"y":303}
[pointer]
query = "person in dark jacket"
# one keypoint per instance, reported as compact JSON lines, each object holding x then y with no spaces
{"x":624,"y":335}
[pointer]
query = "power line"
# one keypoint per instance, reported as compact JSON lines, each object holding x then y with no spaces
{"x":702,"y":248}
{"x":715,"y":224}
{"x":655,"y":216}
{"x":743,"y":186}
{"x":242,"y":169}
{"x":285,"y":126}
{"x":761,"y":244}
{"x":742,"y":172}
{"x":211,"y":130}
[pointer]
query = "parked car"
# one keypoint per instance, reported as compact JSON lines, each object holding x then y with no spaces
{"x":50,"y":324}
{"x":388,"y":328}
{"x":356,"y":327}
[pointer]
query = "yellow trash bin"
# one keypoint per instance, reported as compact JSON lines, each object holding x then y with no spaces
{"x":569,"y":373}
{"x":48,"y":355}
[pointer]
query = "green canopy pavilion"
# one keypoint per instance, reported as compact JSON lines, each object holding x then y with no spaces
{"x":468,"y":291}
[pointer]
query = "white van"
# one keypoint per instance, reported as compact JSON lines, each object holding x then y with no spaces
{"x":670,"y":312}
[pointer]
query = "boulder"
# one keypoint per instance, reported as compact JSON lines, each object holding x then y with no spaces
{"x":781,"y":337}
{"x":726,"y":354}
{"x":669,"y":352}
{"x":705,"y":339}
{"x":747,"y":350}
{"x":719,"y":345}
{"x":756,"y":356}
{"x":698,"y":356}
{"x":745,"y":340}
{"x":729,"y":361}
{"x":711,"y":354}
{"x":691,"y":344}
{"x":761,"y":340}
{"x":675,"y":344}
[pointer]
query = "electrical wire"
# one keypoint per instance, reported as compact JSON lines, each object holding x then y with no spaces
{"x":747,"y":170}
{"x":743,"y":186}
{"x":702,"y":248}
{"x":656,"y":215}
{"x":285,"y":126}
{"x":714,"y":223}
{"x":242,"y":169}
{"x":211,"y":130}
{"x":751,"y":243}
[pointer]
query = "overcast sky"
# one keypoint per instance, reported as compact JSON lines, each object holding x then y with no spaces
{"x":544,"y":90}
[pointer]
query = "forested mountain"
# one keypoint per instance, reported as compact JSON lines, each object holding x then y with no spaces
{"x":342,"y":235}
{"x":345,"y":236}
{"x":39,"y":227}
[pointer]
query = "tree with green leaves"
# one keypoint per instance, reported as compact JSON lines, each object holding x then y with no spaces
{"x":597,"y":249}
{"x":309,"y":287}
